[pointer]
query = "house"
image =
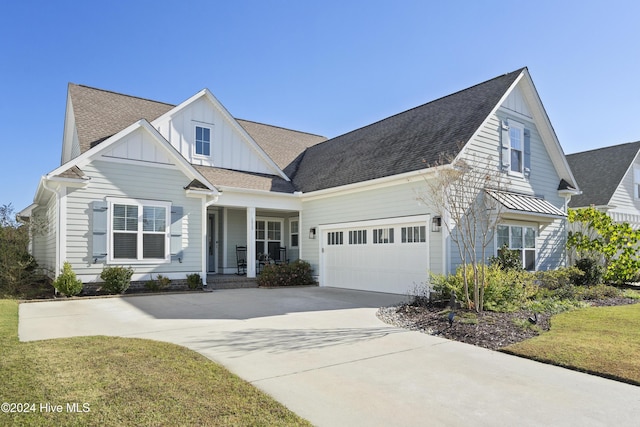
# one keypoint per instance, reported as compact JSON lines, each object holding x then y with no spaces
{"x":609,"y":178}
{"x":174,"y":189}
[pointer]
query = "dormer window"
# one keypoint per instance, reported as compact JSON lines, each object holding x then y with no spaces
{"x":203,"y":141}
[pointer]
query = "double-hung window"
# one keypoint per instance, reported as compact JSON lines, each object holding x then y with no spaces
{"x":516,"y":146}
{"x":139,"y":230}
{"x":203,"y":141}
{"x":520,"y":239}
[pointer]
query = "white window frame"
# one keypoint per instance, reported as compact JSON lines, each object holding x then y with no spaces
{"x":195,"y":144}
{"x":383,"y":236}
{"x":513,"y":125}
{"x":292,"y":233}
{"x":523,"y":249}
{"x":141,"y":204}
{"x":636,"y":182}
{"x":408,"y":234}
{"x":266,"y":239}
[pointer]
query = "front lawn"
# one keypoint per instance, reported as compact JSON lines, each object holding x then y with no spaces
{"x":100,"y":381}
{"x":601,"y":340}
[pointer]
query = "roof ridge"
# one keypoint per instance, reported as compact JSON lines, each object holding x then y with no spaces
{"x":519,"y":70}
{"x":280,"y":127}
{"x":604,"y":148}
{"x":122,"y":94}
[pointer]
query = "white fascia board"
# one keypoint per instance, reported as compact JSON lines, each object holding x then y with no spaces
{"x":230,"y":119}
{"x":373,"y":184}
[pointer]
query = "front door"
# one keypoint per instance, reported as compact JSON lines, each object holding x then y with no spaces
{"x":212,"y":243}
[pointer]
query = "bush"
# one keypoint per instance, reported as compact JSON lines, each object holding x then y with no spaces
{"x":194,"y":281}
{"x":297,"y":273}
{"x":17,"y":267}
{"x":161,"y":282}
{"x":597,"y":292}
{"x":116,"y":279}
{"x":507,"y":259}
{"x":592,"y":272}
{"x":67,"y":283}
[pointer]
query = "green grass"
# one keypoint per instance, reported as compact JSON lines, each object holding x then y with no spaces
{"x":124,"y":381}
{"x":599,"y":340}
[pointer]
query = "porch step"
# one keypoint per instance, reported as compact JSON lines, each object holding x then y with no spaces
{"x":230,"y":281}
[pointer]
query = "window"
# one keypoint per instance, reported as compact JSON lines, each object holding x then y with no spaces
{"x":636,"y":182}
{"x":516,"y":146}
{"x":415,"y":234}
{"x":357,"y":237}
{"x":295,"y":234}
{"x":139,"y":230}
{"x":334,"y":238}
{"x":383,"y":235}
{"x":268,"y":238}
{"x":521,"y":239}
{"x":203,"y":141}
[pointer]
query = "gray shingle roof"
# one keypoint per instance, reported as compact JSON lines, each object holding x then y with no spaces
{"x":100,"y":114}
{"x":239,"y":179}
{"x":599,"y":172}
{"x":404,"y":142}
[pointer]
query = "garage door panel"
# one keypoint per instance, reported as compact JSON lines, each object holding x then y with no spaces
{"x":396,"y":267}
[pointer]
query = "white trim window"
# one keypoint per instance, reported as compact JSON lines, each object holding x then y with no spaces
{"x":139,"y":231}
{"x":203,"y":141}
{"x":268,"y":237}
{"x":294,"y":233}
{"x":382,"y":235}
{"x":516,"y":146}
{"x":520,"y":239}
{"x":414,"y":234}
{"x":636,"y":182}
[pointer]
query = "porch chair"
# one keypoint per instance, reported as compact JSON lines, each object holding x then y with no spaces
{"x":282,"y":258}
{"x":241,"y":258}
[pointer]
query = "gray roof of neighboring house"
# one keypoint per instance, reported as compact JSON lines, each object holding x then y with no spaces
{"x":405,"y":142}
{"x":100,"y":114}
{"x":599,"y":172}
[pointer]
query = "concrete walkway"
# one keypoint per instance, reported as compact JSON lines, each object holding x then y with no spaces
{"x":324,"y":354}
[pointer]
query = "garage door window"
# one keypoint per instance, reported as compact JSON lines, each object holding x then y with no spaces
{"x":334,"y":238}
{"x":358,"y":237}
{"x":382,"y":235}
{"x":416,"y":234}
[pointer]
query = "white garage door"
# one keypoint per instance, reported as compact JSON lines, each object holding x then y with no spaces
{"x":388,"y":255}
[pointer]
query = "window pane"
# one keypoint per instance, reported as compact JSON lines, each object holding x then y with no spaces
{"x":206,"y":132}
{"x":294,"y":240}
{"x":516,"y":160}
{"x":503,"y":236}
{"x":294,"y":226}
{"x":529,"y":260}
{"x":205,"y":149}
{"x":125,"y":245}
{"x":198,"y":133}
{"x":153,"y":218}
{"x":153,"y":246}
{"x":403,"y":232}
{"x":516,"y":238}
{"x":423,"y":233}
{"x":515,"y":135}
{"x":125,"y":217}
{"x":529,"y":237}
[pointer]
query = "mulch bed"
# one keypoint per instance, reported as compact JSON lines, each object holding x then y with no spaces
{"x":490,"y":330}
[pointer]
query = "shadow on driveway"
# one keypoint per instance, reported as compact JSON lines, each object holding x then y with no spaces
{"x":241,"y":304}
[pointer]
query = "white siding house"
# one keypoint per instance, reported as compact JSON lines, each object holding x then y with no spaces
{"x":175,"y":189}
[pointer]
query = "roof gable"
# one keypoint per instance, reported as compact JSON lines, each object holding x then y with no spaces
{"x":405,"y":142}
{"x":599,"y":172}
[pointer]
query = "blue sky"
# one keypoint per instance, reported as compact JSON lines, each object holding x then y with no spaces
{"x":325,"y":67}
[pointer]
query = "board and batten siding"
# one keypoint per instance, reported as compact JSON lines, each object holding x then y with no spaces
{"x":543,"y":180}
{"x":229,"y":147}
{"x":394,"y":201}
{"x":128,"y":180}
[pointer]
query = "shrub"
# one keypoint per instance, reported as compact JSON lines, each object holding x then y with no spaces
{"x":596,"y":292}
{"x":116,"y":279}
{"x":194,"y":281}
{"x":558,"y":283}
{"x":592,"y":272}
{"x":161,"y":282}
{"x":17,"y":267}
{"x":507,"y":259}
{"x":297,"y":273}
{"x":67,"y":283}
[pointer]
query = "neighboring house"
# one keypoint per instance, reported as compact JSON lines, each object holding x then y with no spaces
{"x":174,"y":189}
{"x":609,"y":179}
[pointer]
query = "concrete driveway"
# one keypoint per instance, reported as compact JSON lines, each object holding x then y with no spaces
{"x":323,"y":353}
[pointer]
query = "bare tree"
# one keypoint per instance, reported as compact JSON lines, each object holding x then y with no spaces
{"x":457,"y":191}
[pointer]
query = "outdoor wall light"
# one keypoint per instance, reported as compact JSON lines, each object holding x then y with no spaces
{"x":436,"y":224}
{"x":312,"y":233}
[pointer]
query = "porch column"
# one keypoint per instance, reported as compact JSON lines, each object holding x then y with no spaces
{"x":251,"y":242}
